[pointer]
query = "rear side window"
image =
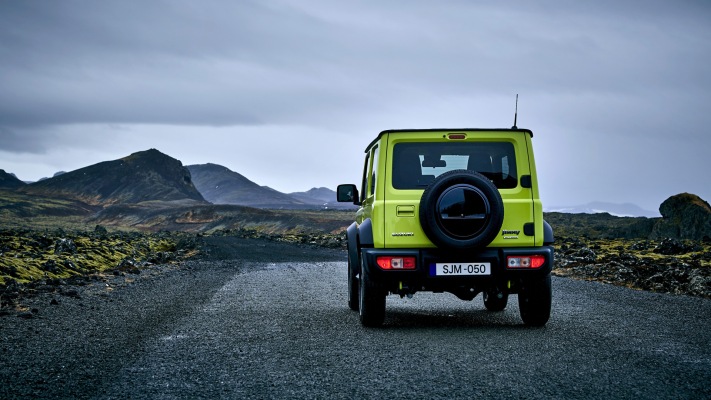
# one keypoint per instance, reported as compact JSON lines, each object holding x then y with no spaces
{"x":416,"y":165}
{"x":374,"y":175}
{"x":363,"y":193}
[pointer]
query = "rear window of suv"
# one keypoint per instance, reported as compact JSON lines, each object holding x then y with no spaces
{"x":416,"y":165}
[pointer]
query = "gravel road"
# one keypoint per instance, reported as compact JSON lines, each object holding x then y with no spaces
{"x":257,"y":319}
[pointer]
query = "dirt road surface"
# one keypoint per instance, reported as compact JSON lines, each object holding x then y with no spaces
{"x":258,"y":319}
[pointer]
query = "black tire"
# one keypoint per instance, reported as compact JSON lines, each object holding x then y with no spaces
{"x":353,"y":289}
{"x":534,"y":301}
{"x":461,"y":209}
{"x":495,"y":300}
{"x":372,"y":302}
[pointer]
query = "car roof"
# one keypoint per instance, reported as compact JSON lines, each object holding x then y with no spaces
{"x":448,"y":130}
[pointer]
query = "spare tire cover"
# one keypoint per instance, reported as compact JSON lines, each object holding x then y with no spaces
{"x":461,"y":209}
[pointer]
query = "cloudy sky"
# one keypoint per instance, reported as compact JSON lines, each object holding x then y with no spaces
{"x":289,"y":92}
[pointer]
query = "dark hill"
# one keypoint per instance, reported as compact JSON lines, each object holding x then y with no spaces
{"x":143,"y":176}
{"x":220,"y":185}
{"x":9,"y":181}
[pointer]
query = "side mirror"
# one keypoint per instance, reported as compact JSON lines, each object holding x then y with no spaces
{"x":347,"y":194}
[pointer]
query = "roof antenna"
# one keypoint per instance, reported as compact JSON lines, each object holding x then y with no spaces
{"x":515,"y":114}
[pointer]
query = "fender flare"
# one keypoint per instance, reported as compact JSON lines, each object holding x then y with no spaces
{"x":353,"y":248}
{"x":548,"y":237}
{"x":358,"y":236}
{"x":365,"y":233}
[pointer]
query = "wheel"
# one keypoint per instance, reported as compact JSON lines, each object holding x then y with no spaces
{"x":534,"y":301}
{"x":353,"y":289}
{"x":372,"y":301}
{"x":495,"y":300}
{"x":461,"y":209}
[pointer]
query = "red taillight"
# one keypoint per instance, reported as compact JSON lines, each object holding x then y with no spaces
{"x":395,"y":262}
{"x":530,"y":262}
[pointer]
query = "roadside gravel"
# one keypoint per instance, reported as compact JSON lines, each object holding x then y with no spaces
{"x":260,"y":319}
{"x":73,"y":345}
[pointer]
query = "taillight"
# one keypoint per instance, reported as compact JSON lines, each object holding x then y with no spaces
{"x":395,"y":262}
{"x":525,"y":261}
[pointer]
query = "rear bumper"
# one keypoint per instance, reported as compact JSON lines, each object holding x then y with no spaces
{"x":423,"y":277}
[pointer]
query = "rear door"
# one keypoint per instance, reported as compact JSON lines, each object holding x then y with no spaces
{"x":416,"y":158}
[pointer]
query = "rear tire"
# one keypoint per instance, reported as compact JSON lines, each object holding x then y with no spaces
{"x":534,"y":301}
{"x":372,"y":301}
{"x":493,"y":302}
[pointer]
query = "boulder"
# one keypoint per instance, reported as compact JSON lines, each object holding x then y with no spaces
{"x":684,"y":216}
{"x":65,"y":246}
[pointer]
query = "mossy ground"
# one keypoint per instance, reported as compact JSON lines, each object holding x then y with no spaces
{"x":31,"y":255}
{"x":666,"y":266}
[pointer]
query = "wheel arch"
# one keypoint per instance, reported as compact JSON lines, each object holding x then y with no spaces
{"x":353,"y":248}
{"x":548,"y":237}
{"x":365,"y":233}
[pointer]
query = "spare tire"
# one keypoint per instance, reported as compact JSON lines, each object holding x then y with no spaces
{"x":461,"y":209}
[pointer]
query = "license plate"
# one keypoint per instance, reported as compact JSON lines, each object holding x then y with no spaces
{"x":452,"y":269}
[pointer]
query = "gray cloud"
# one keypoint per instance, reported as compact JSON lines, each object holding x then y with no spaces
{"x":246,"y":63}
{"x":591,"y":71}
{"x":24,"y":141}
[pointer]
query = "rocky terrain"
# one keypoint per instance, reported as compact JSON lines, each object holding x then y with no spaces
{"x":136,"y":200}
{"x":57,"y":263}
{"x":33,"y":262}
{"x":671,"y":254}
{"x":664,"y":266}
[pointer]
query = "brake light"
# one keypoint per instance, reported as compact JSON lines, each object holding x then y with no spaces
{"x":530,"y":262}
{"x":395,"y":262}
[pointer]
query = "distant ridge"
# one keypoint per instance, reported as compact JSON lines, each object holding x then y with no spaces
{"x":220,"y":185}
{"x":599,"y":207}
{"x":10,"y":181}
{"x":143,"y":176}
{"x":320,"y":195}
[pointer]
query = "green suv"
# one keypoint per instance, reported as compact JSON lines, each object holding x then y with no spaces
{"x":449,"y":210}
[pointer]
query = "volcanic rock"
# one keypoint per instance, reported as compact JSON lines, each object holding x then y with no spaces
{"x":65,"y":245}
{"x":684,"y":216}
{"x":670,"y":246}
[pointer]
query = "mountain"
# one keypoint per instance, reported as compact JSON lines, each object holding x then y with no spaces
{"x":597,"y":207}
{"x":220,"y":185}
{"x":322,"y":197}
{"x":319,"y":196}
{"x":143,"y":176}
{"x":9,"y":181}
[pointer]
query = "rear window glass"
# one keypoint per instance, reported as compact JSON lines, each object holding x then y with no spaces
{"x":416,"y":165}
